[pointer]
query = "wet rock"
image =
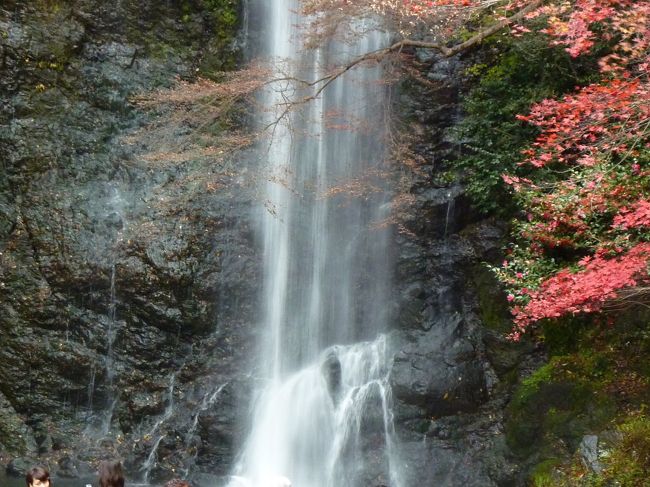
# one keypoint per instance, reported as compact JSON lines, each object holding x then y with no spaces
{"x":332,"y":372}
{"x":589,"y":453}
{"x":15,"y":435}
{"x":18,"y":467}
{"x":220,"y":422}
{"x":447,"y":364}
{"x":110,"y":269}
{"x":146,"y":404}
{"x":441,"y":212}
{"x":440,"y":382}
{"x":207,"y":479}
{"x":45,"y":445}
{"x":67,"y":468}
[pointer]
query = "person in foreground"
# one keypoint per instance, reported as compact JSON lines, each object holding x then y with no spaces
{"x":111,"y":474}
{"x":38,"y":477}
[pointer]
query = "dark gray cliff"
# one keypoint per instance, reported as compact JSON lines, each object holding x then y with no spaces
{"x":113,"y":263}
{"x":453,"y":368}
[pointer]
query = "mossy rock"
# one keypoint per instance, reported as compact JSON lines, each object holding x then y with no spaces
{"x":15,"y":436}
{"x":624,"y":459}
{"x":628,"y":463}
{"x":596,"y":375}
{"x":561,"y":401}
{"x":492,"y":300}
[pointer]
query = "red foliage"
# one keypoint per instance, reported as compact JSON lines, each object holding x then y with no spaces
{"x":590,"y":172}
{"x":625,"y":22}
{"x":599,"y":117}
{"x":585,"y":291}
{"x":637,"y":216}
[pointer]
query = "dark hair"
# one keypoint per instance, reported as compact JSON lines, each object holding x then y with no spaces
{"x":177,"y":483}
{"x":111,"y":474}
{"x":37,"y":473}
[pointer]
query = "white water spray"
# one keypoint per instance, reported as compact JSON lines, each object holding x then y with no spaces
{"x":324,"y":419}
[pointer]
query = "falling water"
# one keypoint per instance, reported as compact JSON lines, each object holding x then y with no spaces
{"x":110,"y":331}
{"x":449,"y":215}
{"x":113,"y":215}
{"x":207,"y":402}
{"x":326,"y":277}
{"x":91,"y":388}
{"x":154,"y":431}
{"x":107,"y":416}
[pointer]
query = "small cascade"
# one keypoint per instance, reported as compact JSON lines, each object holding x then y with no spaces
{"x":108,"y":359}
{"x":110,"y":331}
{"x":113,"y":215}
{"x":317,"y":426}
{"x":151,"y":460}
{"x":154,"y":431}
{"x":208,"y":401}
{"x":449,"y":214}
{"x":100,"y":424}
{"x":91,"y":388}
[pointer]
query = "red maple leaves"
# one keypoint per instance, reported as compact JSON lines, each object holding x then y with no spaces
{"x":636,"y":216}
{"x":584,"y":291}
{"x":585,"y":237}
{"x":578,"y":25}
{"x":599,"y":117}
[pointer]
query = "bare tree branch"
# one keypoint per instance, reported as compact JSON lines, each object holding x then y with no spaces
{"x":476,"y":39}
{"x":378,"y":55}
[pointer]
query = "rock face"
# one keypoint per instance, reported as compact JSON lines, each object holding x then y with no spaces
{"x":114,"y":264}
{"x":450,"y":368}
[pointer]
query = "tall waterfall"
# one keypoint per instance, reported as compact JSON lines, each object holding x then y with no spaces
{"x":324,"y":418}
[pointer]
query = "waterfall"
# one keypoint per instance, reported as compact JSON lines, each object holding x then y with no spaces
{"x":324,"y":417}
{"x":112,"y":213}
{"x":154,"y":431}
{"x":110,"y":371}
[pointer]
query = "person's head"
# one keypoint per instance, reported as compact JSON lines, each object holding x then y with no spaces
{"x":111,"y":474}
{"x":38,"y":477}
{"x":177,"y":483}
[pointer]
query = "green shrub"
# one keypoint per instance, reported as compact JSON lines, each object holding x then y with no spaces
{"x":628,"y":464}
{"x":512,"y":74}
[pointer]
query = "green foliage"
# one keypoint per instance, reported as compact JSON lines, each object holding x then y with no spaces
{"x":52,"y":6}
{"x":522,"y":270}
{"x":209,"y":26}
{"x":567,"y":336}
{"x":625,"y":461}
{"x":545,"y":474}
{"x":559,"y":403}
{"x":629,"y":462}
{"x":224,"y":10}
{"x":531,"y":385}
{"x":493,"y":308}
{"x":516,"y":73}
{"x":224,"y":16}
{"x":596,"y":377}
